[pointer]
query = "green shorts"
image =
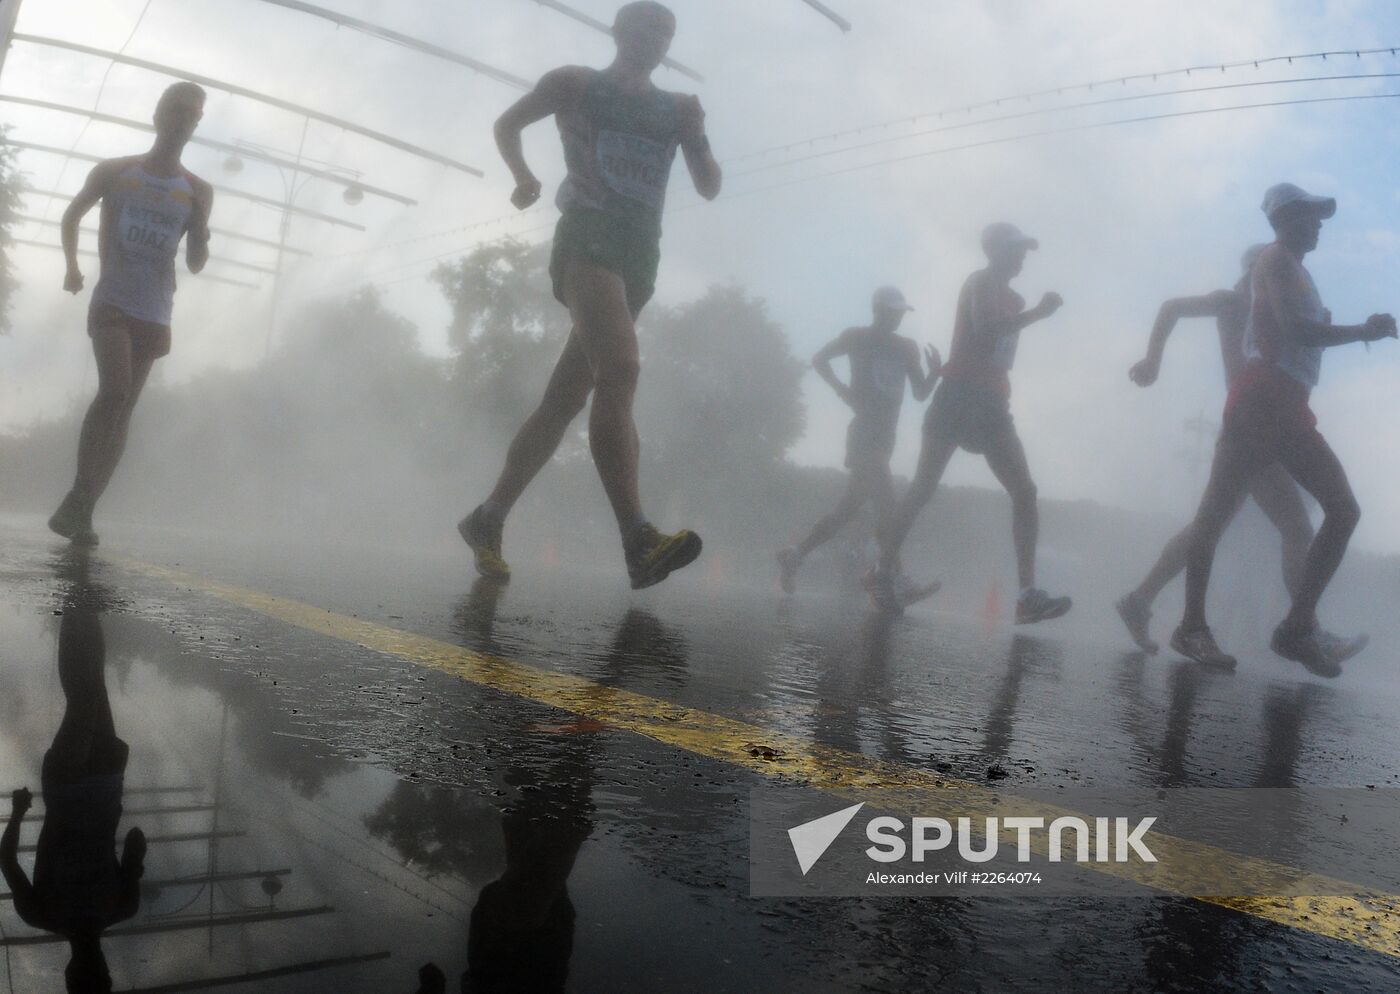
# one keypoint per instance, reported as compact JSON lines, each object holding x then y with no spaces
{"x":631,"y":250}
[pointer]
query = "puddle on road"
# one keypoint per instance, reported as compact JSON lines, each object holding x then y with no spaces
{"x":283,"y":854}
{"x":269,"y":860}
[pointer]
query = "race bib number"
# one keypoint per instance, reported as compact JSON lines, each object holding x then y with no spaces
{"x":634,"y":167}
{"x":150,"y":232}
{"x":888,"y":376}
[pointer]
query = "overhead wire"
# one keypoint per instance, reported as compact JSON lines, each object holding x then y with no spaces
{"x":1069,"y":129}
{"x":925,"y":153}
{"x":960,"y":125}
{"x":1062,"y":90}
{"x":1043,"y":111}
{"x":97,"y":101}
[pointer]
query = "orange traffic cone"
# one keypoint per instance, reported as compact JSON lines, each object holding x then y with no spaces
{"x":991,"y":606}
{"x":715,"y":571}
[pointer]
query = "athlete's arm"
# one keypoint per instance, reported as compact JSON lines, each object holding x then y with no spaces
{"x":556,"y":90}
{"x":821,"y":362}
{"x":704,"y":170}
{"x":94,"y":189}
{"x":1278,"y":288}
{"x":197,"y":234}
{"x":1212,"y":305}
{"x":989,"y":317}
{"x":920,"y":383}
{"x":1050,"y":302}
{"x":133,"y":868}
{"x":25,"y":904}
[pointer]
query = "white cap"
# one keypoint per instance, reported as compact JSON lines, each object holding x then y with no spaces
{"x":889,"y":298}
{"x":1000,"y":236}
{"x":1280,"y":195}
{"x":1251,"y":256}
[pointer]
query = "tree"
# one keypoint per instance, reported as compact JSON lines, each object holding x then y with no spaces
{"x":720,"y":388}
{"x":10,"y":186}
{"x":507,"y":329}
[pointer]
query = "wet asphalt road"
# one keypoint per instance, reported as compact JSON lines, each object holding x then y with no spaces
{"x":355,"y":816}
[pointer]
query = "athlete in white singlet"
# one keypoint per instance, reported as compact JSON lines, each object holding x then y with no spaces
{"x":148,"y":203}
{"x":881,"y":363}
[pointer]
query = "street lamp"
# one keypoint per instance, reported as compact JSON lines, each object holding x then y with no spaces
{"x":292,"y":186}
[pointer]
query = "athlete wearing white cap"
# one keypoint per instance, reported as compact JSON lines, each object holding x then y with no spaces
{"x":880,"y":363}
{"x":1273,"y":489}
{"x":1267,"y":420}
{"x":972,"y":411}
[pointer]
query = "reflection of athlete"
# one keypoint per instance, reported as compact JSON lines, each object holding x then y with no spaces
{"x":148,"y":203}
{"x":1267,"y":420}
{"x":972,"y":411}
{"x":620,"y":135}
{"x":881,"y":362}
{"x":1273,"y":489}
{"x":80,"y":888}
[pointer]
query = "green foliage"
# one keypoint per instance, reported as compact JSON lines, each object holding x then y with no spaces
{"x":10,"y":185}
{"x":351,"y":427}
{"x":507,"y":329}
{"x":720,"y":388}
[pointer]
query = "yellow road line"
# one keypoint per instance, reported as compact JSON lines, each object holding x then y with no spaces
{"x":1370,"y":923}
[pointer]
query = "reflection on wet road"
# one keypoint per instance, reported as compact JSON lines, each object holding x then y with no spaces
{"x":235,"y":792}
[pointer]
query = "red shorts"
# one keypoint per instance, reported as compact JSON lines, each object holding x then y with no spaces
{"x":1267,"y":413}
{"x":148,"y":339}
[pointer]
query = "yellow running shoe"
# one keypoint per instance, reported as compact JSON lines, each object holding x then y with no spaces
{"x":652,"y":556}
{"x":484,"y":537}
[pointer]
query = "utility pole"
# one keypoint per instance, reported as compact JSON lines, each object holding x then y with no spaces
{"x":295,"y":174}
{"x":9,"y":13}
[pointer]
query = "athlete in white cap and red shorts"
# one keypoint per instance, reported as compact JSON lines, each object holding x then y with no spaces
{"x":1267,"y":419}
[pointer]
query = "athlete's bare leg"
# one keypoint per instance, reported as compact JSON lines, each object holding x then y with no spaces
{"x":857,"y":491}
{"x":604,"y":326}
{"x":1007,"y":460}
{"x":1171,"y":562}
{"x":539,"y":437}
{"x":120,"y":379}
{"x":1278,"y":497}
{"x":1315,"y":466}
{"x":86,"y":734}
{"x":881,"y":491}
{"x":882,"y":496}
{"x":933,"y":460}
{"x":1231,"y":473}
{"x":116,"y":445}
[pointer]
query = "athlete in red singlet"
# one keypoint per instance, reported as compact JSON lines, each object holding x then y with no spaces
{"x":972,"y":411}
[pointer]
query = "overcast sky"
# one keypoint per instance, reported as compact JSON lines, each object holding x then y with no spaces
{"x":1127,"y":215}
